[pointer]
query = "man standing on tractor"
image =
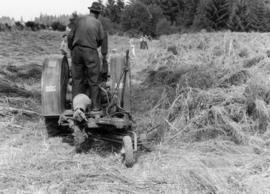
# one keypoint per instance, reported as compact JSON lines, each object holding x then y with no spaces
{"x":85,"y":37}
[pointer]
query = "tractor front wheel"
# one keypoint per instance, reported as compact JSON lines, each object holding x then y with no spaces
{"x":128,"y":151}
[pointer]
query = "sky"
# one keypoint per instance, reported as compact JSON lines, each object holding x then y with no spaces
{"x":29,"y":9}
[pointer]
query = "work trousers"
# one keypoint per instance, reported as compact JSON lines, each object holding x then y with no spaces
{"x":86,"y":66}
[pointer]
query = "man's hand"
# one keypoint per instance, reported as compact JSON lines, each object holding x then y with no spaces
{"x":63,"y":52}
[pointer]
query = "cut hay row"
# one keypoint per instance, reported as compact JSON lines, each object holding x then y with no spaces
{"x":210,"y":112}
{"x":215,"y":95}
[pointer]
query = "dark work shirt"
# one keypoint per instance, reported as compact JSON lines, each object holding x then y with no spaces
{"x":87,"y":32}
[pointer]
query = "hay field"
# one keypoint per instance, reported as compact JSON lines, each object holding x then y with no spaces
{"x":206,"y":111}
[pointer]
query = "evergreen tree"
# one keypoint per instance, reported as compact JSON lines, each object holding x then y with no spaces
{"x":113,"y":10}
{"x":213,"y":14}
{"x":187,"y":12}
{"x":249,"y":15}
{"x":119,"y":7}
{"x":257,"y":15}
{"x":120,"y":4}
{"x":151,"y":2}
{"x":267,"y":20}
{"x":170,"y":9}
{"x":140,"y":17}
{"x":156,"y":16}
{"x":239,"y":17}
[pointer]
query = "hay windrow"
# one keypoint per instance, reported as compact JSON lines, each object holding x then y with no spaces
{"x":208,"y":115}
{"x":214,"y":99}
{"x":253,"y":61}
{"x":236,"y":78}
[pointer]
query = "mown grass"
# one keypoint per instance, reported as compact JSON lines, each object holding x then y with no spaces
{"x":207,"y":109}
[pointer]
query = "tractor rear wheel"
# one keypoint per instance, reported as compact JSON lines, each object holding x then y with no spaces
{"x":128,"y":149}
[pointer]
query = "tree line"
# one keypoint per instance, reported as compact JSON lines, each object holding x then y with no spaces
{"x":157,"y":17}
{"x":42,"y":22}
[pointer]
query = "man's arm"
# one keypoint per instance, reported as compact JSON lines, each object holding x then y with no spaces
{"x":70,"y":38}
{"x":104,"y":51}
{"x":71,"y":34}
{"x":101,"y":35}
{"x":104,"y":45}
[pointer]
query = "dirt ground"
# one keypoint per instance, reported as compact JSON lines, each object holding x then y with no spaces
{"x":32,"y":163}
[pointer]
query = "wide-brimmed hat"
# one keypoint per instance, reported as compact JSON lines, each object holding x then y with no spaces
{"x":96,"y":6}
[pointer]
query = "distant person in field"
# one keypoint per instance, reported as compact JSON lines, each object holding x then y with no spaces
{"x":85,"y":37}
{"x":143,"y":43}
{"x":132,"y":53}
{"x":141,"y":40}
{"x":132,"y":46}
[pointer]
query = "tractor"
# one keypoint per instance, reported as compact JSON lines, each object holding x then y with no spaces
{"x":114,"y":125}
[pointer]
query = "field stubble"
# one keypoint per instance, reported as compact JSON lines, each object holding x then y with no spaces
{"x":206,"y":109}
